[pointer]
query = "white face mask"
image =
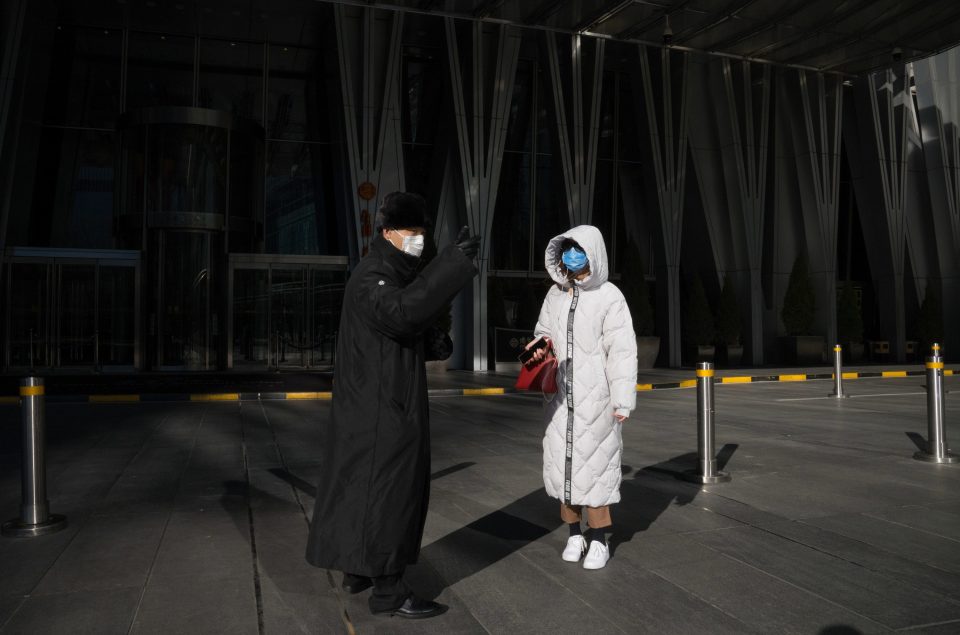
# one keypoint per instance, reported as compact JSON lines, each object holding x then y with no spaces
{"x":412,"y":245}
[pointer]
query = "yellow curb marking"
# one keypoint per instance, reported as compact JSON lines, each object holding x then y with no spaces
{"x":893,"y":373}
{"x":736,"y":380}
{"x":792,"y":378}
{"x":480,"y":392}
{"x":226,"y":396}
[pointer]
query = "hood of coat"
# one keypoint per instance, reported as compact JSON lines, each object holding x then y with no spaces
{"x":405,"y":265}
{"x":588,"y":237}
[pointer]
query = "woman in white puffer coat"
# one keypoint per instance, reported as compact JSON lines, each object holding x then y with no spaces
{"x":589,"y":323}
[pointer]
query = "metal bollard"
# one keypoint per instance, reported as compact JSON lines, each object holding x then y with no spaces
{"x":937,"y":450}
{"x":35,"y":517}
{"x":706,"y":471}
{"x":935,"y":349}
{"x":838,"y":372}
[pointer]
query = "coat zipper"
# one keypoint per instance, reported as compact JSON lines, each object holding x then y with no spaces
{"x":568,"y":381}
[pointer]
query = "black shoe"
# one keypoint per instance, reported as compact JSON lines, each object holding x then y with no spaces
{"x":414,"y":608}
{"x":354,"y":584}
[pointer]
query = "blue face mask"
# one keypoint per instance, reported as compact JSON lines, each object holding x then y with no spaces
{"x":574,"y":259}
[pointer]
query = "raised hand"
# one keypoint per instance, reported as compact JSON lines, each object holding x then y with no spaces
{"x":469,"y":245}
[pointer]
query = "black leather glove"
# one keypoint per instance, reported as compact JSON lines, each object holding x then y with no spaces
{"x":469,"y":245}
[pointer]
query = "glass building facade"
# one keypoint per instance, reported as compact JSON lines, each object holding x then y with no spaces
{"x":187,"y":185}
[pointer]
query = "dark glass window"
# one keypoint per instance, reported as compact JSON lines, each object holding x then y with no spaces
{"x":519,"y":128}
{"x":73,"y":203}
{"x":421,"y":100}
{"x":631,"y":129}
{"x":605,"y":142}
{"x":159,"y":70}
{"x":84,"y":85}
{"x":510,"y":242}
{"x":603,"y":197}
{"x":552,"y":217}
{"x":632,"y":224}
{"x":231,"y":77}
{"x":297,"y":95}
{"x":300,"y":216}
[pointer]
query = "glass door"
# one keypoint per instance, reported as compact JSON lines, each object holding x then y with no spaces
{"x":251,"y":323}
{"x":326,"y":289}
{"x":28,"y":314}
{"x":288,"y":312}
{"x":117,"y":322}
{"x":76,"y":315}
{"x":186,"y":319}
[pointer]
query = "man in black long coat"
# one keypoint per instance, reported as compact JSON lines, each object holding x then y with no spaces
{"x":375,"y":478}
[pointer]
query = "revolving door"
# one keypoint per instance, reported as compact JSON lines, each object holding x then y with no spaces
{"x":192,"y":193}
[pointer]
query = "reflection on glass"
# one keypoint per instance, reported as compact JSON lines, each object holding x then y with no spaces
{"x":291,"y":214}
{"x":298,"y":93}
{"x":231,"y":77}
{"x":159,"y":70}
{"x":288,"y":297}
{"x":185,"y":300}
{"x":117,"y":315}
{"x":251,"y":340}
{"x":77,"y":315}
{"x":29,"y":310}
{"x":188,"y":169}
{"x":84,"y":84}
{"x":76,"y":208}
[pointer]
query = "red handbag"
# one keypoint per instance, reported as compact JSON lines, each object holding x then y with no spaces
{"x":541,"y":376}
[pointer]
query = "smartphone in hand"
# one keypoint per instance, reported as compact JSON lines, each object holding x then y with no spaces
{"x":527,"y":355}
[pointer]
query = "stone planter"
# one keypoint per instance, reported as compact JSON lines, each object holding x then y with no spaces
{"x":730,"y":355}
{"x":648,"y":347}
{"x":801,"y":349}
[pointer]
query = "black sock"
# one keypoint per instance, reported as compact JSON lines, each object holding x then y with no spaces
{"x":598,"y":535}
{"x":575,"y":529}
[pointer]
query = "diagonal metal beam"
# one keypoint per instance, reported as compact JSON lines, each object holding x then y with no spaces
{"x":543,"y":11}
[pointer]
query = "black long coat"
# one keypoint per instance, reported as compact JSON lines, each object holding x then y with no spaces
{"x":375,"y":478}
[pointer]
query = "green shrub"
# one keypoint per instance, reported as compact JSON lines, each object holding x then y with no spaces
{"x":800,"y":301}
{"x":728,"y":315}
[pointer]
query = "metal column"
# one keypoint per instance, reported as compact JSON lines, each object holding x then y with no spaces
{"x":706,"y":471}
{"x":35,"y":517}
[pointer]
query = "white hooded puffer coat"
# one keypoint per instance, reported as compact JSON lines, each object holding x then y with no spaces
{"x":596,"y":377}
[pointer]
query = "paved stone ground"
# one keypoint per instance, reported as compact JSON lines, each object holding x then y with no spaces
{"x":192,"y":518}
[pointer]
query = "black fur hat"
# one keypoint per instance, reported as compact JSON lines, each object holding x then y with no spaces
{"x":402,"y":210}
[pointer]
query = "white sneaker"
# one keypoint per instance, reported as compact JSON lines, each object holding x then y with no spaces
{"x":597,"y":556}
{"x":576,"y":546}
